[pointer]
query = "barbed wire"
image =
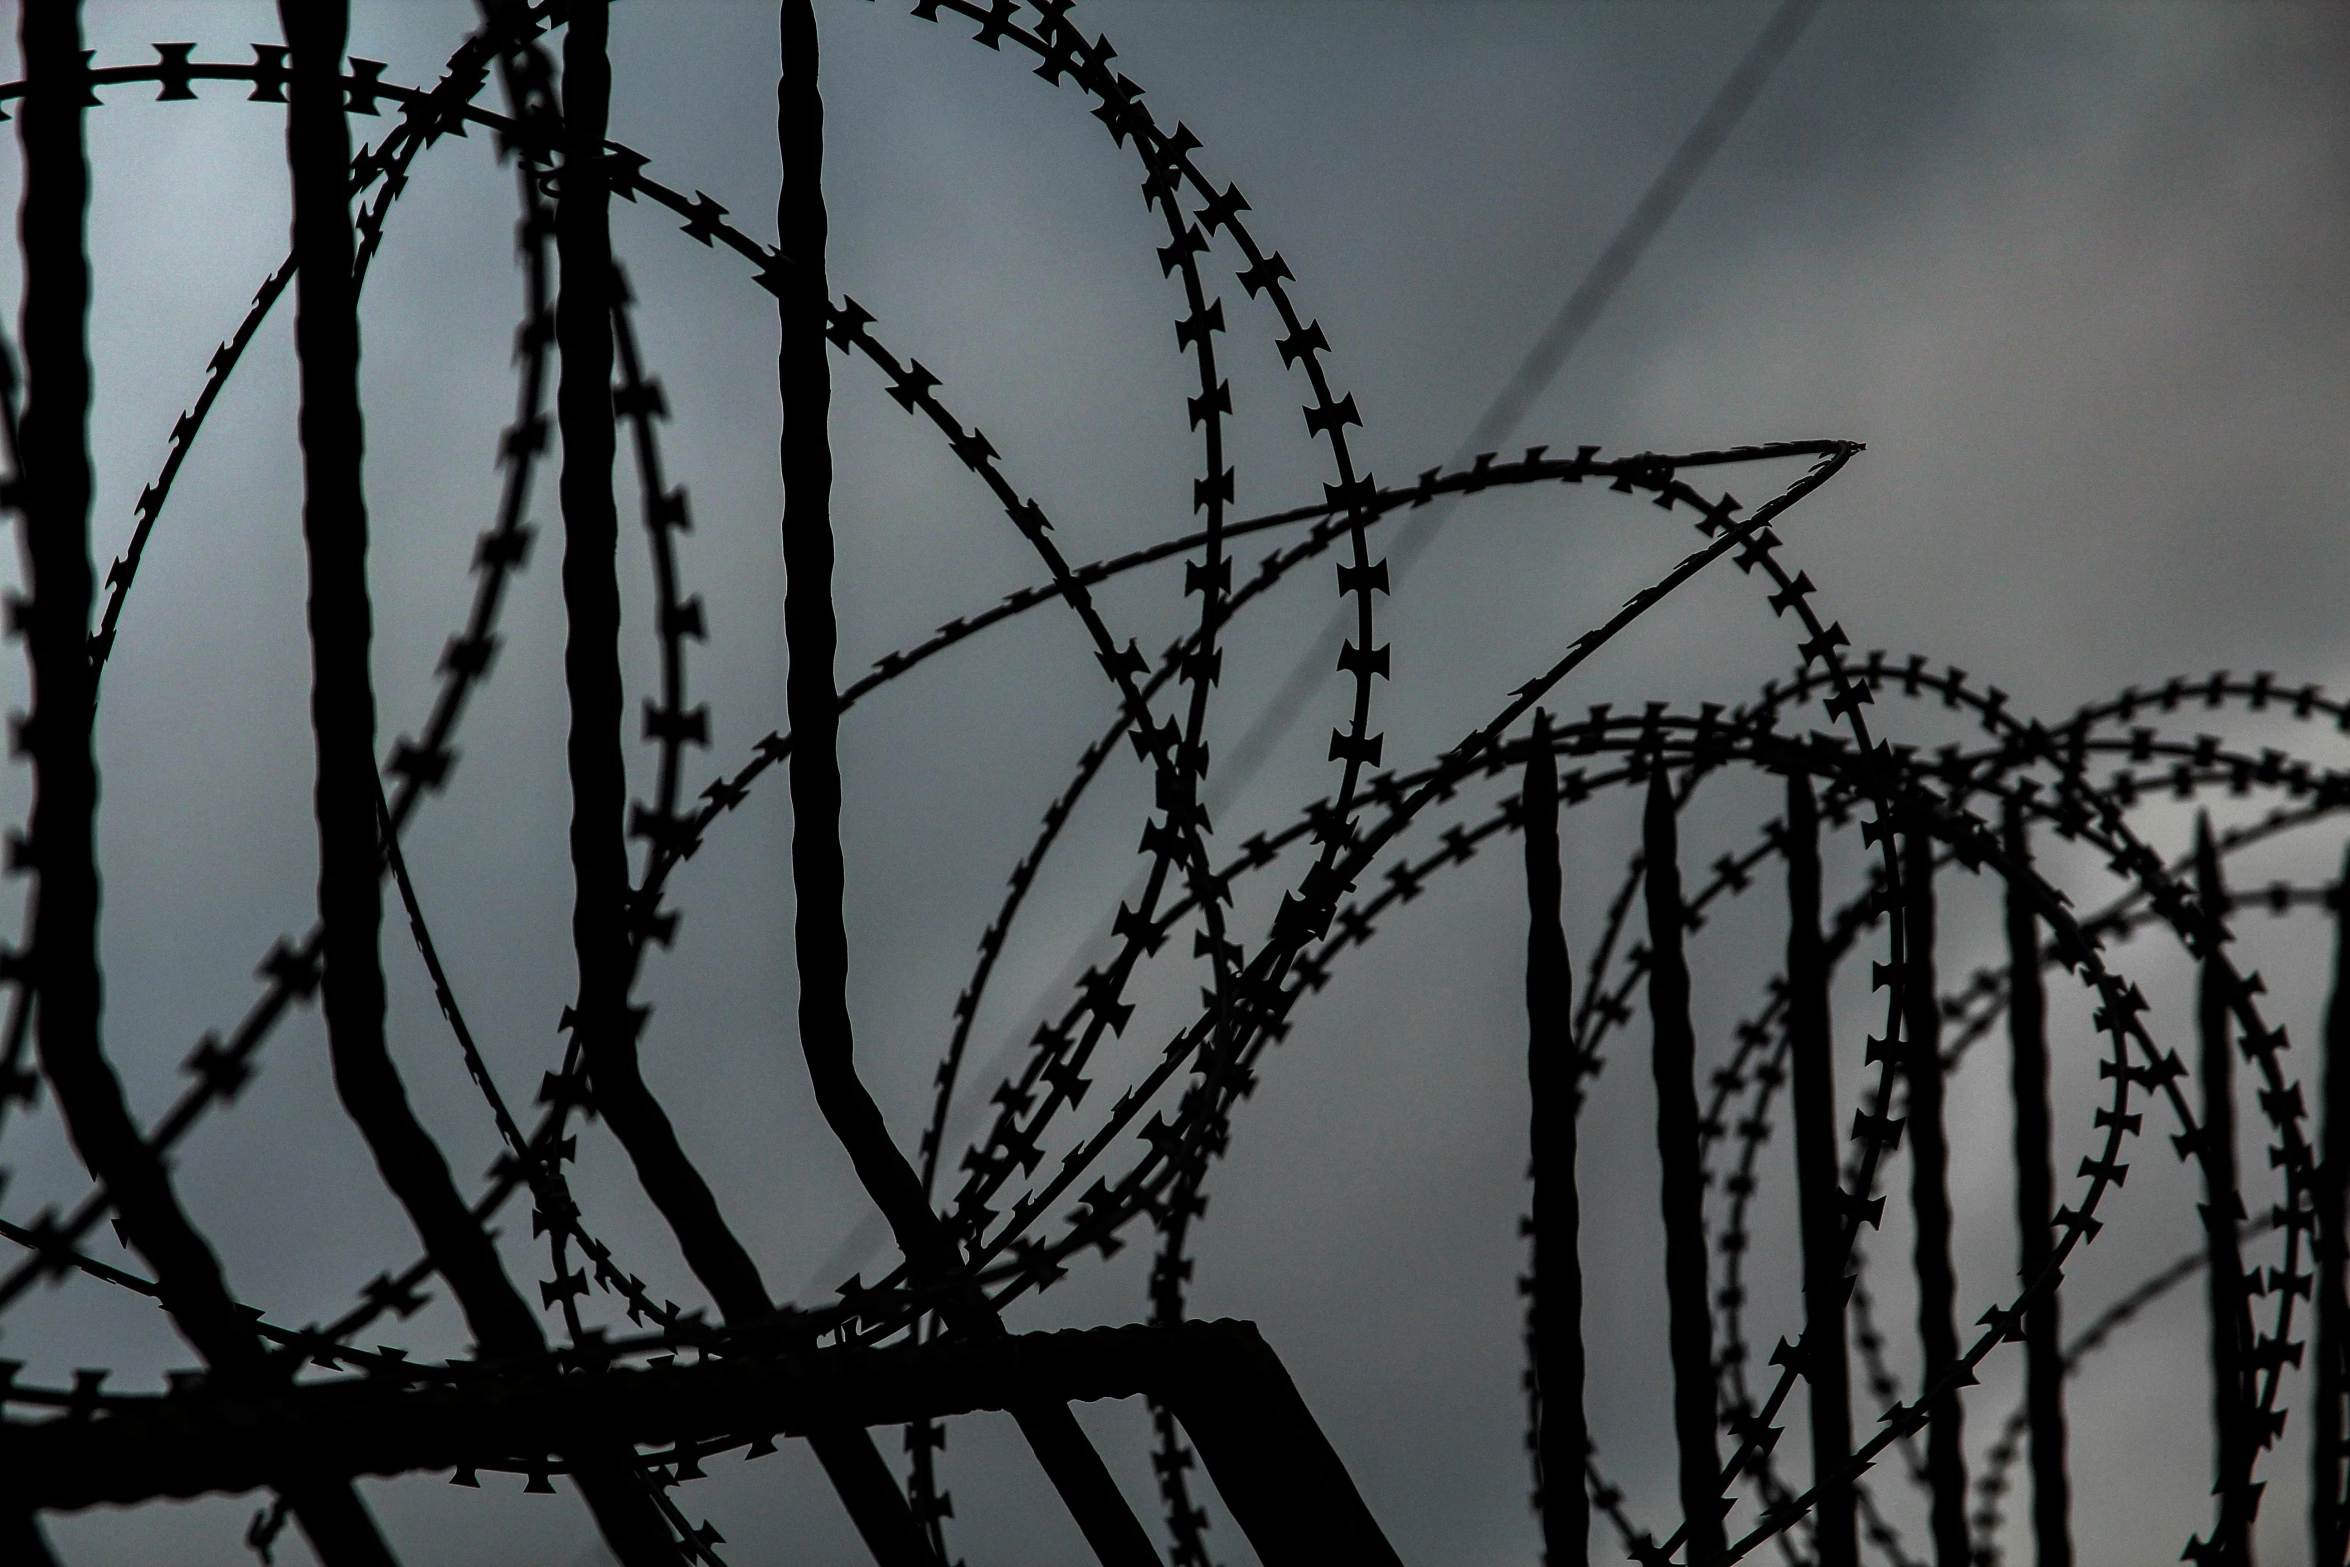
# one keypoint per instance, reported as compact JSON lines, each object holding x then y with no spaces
{"x":1002,"y":1217}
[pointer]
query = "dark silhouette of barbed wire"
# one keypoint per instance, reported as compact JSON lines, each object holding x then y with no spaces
{"x":1881,"y":663}
{"x":1410,"y":887}
{"x":2239,"y":774}
{"x":963,"y":1266}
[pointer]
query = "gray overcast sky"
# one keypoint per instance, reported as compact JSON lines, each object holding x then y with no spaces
{"x":2071,"y":270}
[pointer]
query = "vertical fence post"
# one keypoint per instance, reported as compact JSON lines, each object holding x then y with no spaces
{"x":1929,"y":1154}
{"x":804,"y":378}
{"x":804,"y":381}
{"x":600,"y":1021}
{"x":1554,"y":1071}
{"x":591,"y":580}
{"x":1674,"y":1060}
{"x":349,"y":801}
{"x":606,"y":1025}
{"x":341,"y":626}
{"x":2035,"y":1197}
{"x":1286,"y":1485}
{"x":1826,"y":1286}
{"x":2327,"y":1535}
{"x":342,"y":710}
{"x":2223,"y":1210}
{"x":63,"y":849}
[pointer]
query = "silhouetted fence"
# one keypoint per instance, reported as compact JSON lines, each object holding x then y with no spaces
{"x":558,"y":1388}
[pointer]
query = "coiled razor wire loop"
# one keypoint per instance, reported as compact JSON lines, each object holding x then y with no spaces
{"x":1097,"y":1218}
{"x":2191,"y":925}
{"x":913,"y":389}
{"x":2236,"y":770}
{"x":1751,"y":1036}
